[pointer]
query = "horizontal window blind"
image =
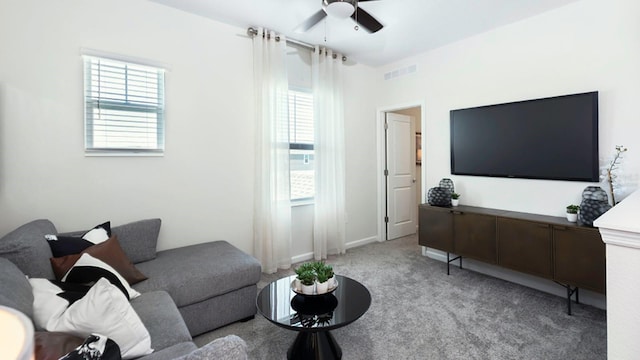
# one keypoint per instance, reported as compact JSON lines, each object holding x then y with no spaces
{"x":301,"y":137}
{"x":300,"y":118}
{"x":124,"y":106}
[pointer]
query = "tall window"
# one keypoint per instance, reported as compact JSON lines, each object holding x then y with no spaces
{"x":124,"y":107}
{"x":301,"y":144}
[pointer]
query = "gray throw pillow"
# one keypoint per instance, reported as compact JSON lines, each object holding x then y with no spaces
{"x":139,"y":239}
{"x":27,"y":248}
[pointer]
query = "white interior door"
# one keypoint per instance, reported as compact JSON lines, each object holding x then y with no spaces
{"x":401,"y":178}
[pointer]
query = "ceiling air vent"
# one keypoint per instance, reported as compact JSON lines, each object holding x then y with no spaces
{"x":401,"y":72}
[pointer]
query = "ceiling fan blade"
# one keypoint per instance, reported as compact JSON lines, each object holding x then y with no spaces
{"x":311,"y":21}
{"x":366,"y":20}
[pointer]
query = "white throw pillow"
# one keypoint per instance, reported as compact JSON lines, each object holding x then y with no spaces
{"x":88,"y":269}
{"x":46,"y":304}
{"x":105,"y":310}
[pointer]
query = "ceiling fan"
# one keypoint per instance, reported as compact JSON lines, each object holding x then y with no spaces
{"x":342,"y":9}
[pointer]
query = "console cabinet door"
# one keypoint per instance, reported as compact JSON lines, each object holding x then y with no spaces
{"x":475,"y":236}
{"x":579,"y":258}
{"x":436,"y":228}
{"x":525,"y":246}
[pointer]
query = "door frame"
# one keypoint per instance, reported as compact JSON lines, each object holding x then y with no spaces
{"x":380,"y":145}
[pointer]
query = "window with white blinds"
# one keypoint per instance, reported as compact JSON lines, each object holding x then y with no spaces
{"x":301,"y":135}
{"x":124,"y":107}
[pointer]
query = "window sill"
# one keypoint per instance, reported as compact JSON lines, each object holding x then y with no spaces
{"x":122,"y":154}
{"x":303,"y":202}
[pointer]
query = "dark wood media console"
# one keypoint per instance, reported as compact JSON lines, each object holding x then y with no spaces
{"x":546,"y":246}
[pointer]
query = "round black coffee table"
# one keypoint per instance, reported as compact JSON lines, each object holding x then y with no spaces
{"x":313,"y":316}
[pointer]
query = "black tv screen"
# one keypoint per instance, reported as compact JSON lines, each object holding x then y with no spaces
{"x":553,"y":138}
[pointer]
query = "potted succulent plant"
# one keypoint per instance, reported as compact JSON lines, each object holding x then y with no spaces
{"x":323,"y":273}
{"x":572,"y":213}
{"x":455,"y":199}
{"x":307,"y":280}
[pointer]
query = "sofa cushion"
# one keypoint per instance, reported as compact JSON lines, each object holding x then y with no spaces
{"x":108,"y":251}
{"x":173,"y":351}
{"x":230,"y":347}
{"x":16,"y":291}
{"x":206,"y":270}
{"x":162,"y":319}
{"x":103,"y":310}
{"x":139,"y":239}
{"x":67,"y":245}
{"x":27,"y":248}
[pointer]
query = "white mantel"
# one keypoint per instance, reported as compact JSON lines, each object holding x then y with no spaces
{"x":620,"y":230}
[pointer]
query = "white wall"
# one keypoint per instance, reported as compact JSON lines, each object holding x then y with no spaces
{"x":203,"y":187}
{"x":584,"y":46}
{"x":361,"y":162}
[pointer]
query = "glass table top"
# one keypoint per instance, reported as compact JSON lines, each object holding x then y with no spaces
{"x":282,"y":306}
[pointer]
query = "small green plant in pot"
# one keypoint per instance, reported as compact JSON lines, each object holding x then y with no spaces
{"x":307,"y":280}
{"x":455,"y":198}
{"x":323,"y":273}
{"x":572,"y":212}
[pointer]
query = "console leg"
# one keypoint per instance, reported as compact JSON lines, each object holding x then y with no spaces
{"x":449,"y":260}
{"x":568,"y":299}
{"x":570,"y":292}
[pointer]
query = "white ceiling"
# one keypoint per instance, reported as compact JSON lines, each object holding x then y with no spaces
{"x":410,"y":26}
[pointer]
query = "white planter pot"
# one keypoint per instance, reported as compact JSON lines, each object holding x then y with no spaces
{"x":455,"y":202}
{"x":332,"y":282}
{"x":572,"y":217}
{"x":308,"y":289}
{"x":321,"y":288}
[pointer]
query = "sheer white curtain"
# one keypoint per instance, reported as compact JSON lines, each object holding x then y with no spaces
{"x":272,"y":208}
{"x":329,"y":220}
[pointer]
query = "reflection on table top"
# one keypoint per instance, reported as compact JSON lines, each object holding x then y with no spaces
{"x":282,"y":306}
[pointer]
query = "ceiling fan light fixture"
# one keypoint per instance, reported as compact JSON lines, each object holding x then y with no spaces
{"x":340,"y":8}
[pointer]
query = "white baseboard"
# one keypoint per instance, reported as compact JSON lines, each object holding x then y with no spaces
{"x":302,"y":257}
{"x":350,"y":245}
{"x":548,"y":286}
{"x":361,"y":242}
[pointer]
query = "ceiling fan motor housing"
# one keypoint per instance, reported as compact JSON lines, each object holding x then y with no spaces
{"x":339,"y":8}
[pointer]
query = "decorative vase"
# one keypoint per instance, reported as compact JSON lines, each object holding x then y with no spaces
{"x":572,"y":217}
{"x":455,"y":202}
{"x":322,"y":287}
{"x":595,"y":202}
{"x":439,"y":196}
{"x":308,"y":289}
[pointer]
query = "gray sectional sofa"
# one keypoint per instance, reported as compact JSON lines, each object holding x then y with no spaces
{"x":189,"y":290}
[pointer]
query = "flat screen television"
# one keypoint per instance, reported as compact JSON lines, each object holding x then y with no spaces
{"x":553,"y":138}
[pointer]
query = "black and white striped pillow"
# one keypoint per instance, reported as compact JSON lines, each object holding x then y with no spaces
{"x":88,"y":270}
{"x":67,"y":245}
